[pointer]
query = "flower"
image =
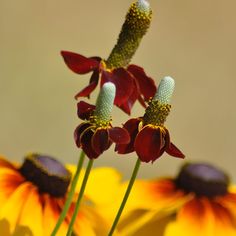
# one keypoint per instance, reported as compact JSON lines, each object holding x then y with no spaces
{"x":199,"y":201}
{"x":32,"y":197}
{"x":96,"y":134}
{"x":131,"y":81}
{"x":149,"y":137}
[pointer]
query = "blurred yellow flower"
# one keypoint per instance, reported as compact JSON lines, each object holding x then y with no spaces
{"x":199,"y":201}
{"x":32,"y":196}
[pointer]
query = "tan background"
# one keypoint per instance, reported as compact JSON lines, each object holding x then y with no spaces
{"x":193,"y":41}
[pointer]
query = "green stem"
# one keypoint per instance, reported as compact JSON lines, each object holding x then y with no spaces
{"x":70,"y":194}
{"x":128,"y":190}
{"x":81,"y":193}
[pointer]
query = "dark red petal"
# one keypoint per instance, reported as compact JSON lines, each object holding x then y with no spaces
{"x":167,"y":139}
{"x":131,"y":126}
{"x":174,"y":151}
{"x":92,"y":85}
{"x":123,"y":81}
{"x":86,"y":143}
{"x":78,"y":132}
{"x":100,"y":141}
{"x":127,"y":105}
{"x":78,"y":63}
{"x":146,"y":83}
{"x":148,"y":144}
{"x":84,"y":110}
{"x":119,"y":135}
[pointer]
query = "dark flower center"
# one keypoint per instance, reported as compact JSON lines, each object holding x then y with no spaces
{"x":48,"y":174}
{"x":203,"y":180}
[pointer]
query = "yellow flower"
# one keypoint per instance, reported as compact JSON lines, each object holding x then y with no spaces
{"x":199,"y":201}
{"x":32,"y":196}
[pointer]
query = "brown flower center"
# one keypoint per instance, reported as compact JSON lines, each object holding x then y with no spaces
{"x":48,"y":174}
{"x":203,"y":180}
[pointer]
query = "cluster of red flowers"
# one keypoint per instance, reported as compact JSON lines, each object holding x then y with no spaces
{"x":149,"y":138}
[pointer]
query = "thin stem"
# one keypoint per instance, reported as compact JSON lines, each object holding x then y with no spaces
{"x":70,"y":194}
{"x":81,"y":193}
{"x":128,"y":190}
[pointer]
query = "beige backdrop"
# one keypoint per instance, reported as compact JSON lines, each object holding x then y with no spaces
{"x":192,"y":41}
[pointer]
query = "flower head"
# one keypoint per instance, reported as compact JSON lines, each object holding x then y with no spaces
{"x":199,"y":198}
{"x":96,"y":134}
{"x":33,"y":195}
{"x":131,"y":81}
{"x":149,"y":137}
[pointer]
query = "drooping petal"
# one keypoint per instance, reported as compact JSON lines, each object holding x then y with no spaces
{"x":228,"y":201}
{"x":84,"y":110}
{"x":100,"y":141}
{"x":132,"y":127}
{"x":10,"y":180}
{"x":5,"y":163}
{"x":51,"y":213}
{"x":92,"y":85}
{"x":119,"y":135}
{"x":78,"y":132}
{"x":78,"y":63}
{"x":148,"y":144}
{"x":86,"y":144}
{"x":123,"y":82}
{"x":14,"y":204}
{"x":127,"y":105}
{"x":174,"y":151}
{"x":32,"y":203}
{"x":203,"y":214}
{"x":146,"y":83}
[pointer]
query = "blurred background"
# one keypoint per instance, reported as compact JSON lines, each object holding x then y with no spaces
{"x":192,"y":41}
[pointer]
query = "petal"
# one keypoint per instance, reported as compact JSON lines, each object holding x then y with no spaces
{"x":119,"y":135}
{"x":174,"y":151}
{"x":10,"y":180}
{"x":84,"y":110}
{"x":148,"y":144}
{"x":6,"y":164}
{"x":156,"y":195}
{"x":127,"y":105}
{"x":204,"y":214}
{"x":100,"y":141}
{"x":79,"y":131}
{"x":92,"y":85}
{"x":131,"y":126}
{"x":146,"y":83}
{"x":78,"y":63}
{"x":51,"y":213}
{"x":228,"y":201}
{"x":11,"y":208}
{"x":32,"y":202}
{"x":123,"y":81}
{"x":86,"y":144}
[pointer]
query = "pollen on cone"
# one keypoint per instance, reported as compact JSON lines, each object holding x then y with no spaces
{"x":105,"y":101}
{"x":143,"y":6}
{"x":165,"y":90}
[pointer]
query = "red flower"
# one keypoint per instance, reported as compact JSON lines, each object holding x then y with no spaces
{"x":94,"y":135}
{"x":148,"y":141}
{"x":131,"y":83}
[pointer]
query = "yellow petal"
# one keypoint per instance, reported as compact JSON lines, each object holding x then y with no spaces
{"x":11,"y":208}
{"x":144,"y":223}
{"x":155,"y":195}
{"x":103,"y":189}
{"x":6,"y":164}
{"x":10,"y":179}
{"x":31,"y":214}
{"x":204,"y":217}
{"x":51,"y":214}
